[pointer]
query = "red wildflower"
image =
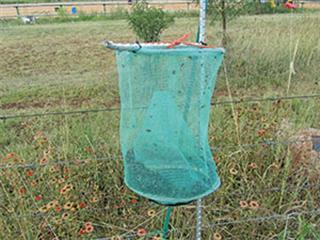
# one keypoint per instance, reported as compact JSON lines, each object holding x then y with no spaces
{"x":253,"y":165}
{"x":22,"y":190}
{"x":29,"y":173}
{"x":88,"y":150}
{"x":141,"y":232}
{"x":58,"y":208}
{"x":89,"y":228}
{"x":261,"y":132}
{"x":10,"y":155}
{"x":38,"y":197}
{"x":88,"y":224}
{"x":82,"y":205}
{"x":43,"y":161}
{"x":134,"y":201}
{"x":82,"y":231}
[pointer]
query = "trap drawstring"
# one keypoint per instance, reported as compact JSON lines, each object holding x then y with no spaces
{"x":182,"y":39}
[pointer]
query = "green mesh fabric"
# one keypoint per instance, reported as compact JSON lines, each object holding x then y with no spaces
{"x":165,"y":105}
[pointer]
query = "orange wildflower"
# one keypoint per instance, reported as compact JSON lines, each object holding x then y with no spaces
{"x":22,"y":190}
{"x":94,"y":199}
{"x":243,"y":204}
{"x":254,"y":205}
{"x":261,"y":132}
{"x":29,"y":173}
{"x":89,"y":228}
{"x":82,"y":205}
{"x":65,"y":216}
{"x":63,"y":191}
{"x":33,"y":183}
{"x":61,"y":180}
{"x":43,"y":161}
{"x":253,"y":165}
{"x":11,"y":155}
{"x":88,"y":224}
{"x":52,"y":204}
{"x":58,"y":208}
{"x":66,"y":170}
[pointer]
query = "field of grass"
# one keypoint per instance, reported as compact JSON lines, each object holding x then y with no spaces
{"x":59,"y":172}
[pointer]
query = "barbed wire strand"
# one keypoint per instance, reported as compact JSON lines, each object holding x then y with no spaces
{"x":229,"y":222}
{"x":248,"y":100}
{"x":264,"y":143}
{"x":264,"y":218}
{"x":220,"y":223}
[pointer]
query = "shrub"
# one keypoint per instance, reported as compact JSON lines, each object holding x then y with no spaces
{"x":148,"y":22}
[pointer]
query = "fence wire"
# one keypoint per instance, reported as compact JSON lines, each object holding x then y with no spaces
{"x":240,"y":101}
{"x":279,"y":217}
{"x":264,"y":143}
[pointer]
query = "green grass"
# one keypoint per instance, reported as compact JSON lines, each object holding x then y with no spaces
{"x":56,"y":67}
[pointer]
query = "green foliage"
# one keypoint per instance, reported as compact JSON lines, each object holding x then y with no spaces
{"x":232,"y":9}
{"x":253,"y":8}
{"x":148,"y":22}
{"x":62,"y":12}
{"x":305,"y":230}
{"x":227,"y":9}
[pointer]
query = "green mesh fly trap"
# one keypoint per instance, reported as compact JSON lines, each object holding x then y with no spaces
{"x":165,"y":105}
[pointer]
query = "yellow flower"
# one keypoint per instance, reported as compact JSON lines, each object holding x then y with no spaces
{"x":52,"y":204}
{"x":61,"y":180}
{"x":151,"y":213}
{"x":68,"y":205}
{"x":94,"y":199}
{"x":217,"y":236}
{"x":233,"y":171}
{"x":116,"y":238}
{"x":157,"y":237}
{"x":43,"y":209}
{"x":65,"y":216}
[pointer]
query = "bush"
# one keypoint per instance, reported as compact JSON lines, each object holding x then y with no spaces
{"x":148,"y":22}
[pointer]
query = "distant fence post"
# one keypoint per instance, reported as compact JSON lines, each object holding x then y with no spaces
{"x":18,"y":11}
{"x":104,"y":9}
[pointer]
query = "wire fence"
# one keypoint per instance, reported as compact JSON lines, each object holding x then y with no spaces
{"x":212,"y":225}
{"x":240,"y":101}
{"x":265,"y":143}
{"x":215,"y":225}
{"x":218,"y":148}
